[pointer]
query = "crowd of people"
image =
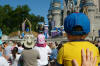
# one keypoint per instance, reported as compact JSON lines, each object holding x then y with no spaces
{"x":29,"y":53}
{"x":75,"y":52}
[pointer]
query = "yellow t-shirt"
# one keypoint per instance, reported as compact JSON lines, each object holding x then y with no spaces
{"x":72,"y":50}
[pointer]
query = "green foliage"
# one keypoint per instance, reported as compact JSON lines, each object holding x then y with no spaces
{"x":11,"y":19}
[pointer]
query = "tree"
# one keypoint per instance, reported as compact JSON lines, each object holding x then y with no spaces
{"x":11,"y":19}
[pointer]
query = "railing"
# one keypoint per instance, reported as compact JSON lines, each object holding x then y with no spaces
{"x":51,"y":39}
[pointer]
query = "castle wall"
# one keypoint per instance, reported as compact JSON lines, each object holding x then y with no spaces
{"x":93,"y":14}
{"x":94,"y":17}
{"x":57,"y":19}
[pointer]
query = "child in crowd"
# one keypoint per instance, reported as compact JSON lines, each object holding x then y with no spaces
{"x":43,"y":49}
{"x":20,"y":48}
{"x":53,"y":56}
{"x":77,"y":27}
{"x":14,"y":57}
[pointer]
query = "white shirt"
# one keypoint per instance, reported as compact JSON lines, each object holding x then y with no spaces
{"x":20,"y":49}
{"x":3,"y":61}
{"x":15,"y":62}
{"x":43,"y":51}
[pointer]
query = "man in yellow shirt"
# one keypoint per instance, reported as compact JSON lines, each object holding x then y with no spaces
{"x":77,"y":27}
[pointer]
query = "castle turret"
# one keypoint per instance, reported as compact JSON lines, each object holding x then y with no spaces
{"x":90,"y":9}
{"x":56,"y":12}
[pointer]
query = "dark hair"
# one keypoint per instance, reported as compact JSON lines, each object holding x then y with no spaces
{"x":59,"y":46}
{"x":26,"y":47}
{"x":56,"y":43}
{"x":77,"y":28}
{"x":19,"y":44}
{"x":14,"y":51}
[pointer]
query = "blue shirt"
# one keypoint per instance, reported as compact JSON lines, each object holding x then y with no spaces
{"x":8,"y":50}
{"x":54,"y":54}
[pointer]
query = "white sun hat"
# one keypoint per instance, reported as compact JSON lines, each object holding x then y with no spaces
{"x":29,"y":42}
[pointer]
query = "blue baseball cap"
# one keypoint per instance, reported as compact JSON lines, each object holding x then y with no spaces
{"x":77,"y":19}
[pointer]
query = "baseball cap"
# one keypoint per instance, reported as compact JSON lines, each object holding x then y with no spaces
{"x":77,"y":19}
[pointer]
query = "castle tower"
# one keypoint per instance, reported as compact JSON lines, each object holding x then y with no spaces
{"x":94,"y":16}
{"x":56,"y":12}
{"x":91,"y":12}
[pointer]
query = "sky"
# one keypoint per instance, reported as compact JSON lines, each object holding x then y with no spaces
{"x":38,"y":7}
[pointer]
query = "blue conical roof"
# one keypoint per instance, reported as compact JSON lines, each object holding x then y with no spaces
{"x":66,"y":1}
{"x":50,"y":7}
{"x":75,"y":2}
{"x":86,"y":4}
{"x":56,"y":1}
{"x":54,"y":8}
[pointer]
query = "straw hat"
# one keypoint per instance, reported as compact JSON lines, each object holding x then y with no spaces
{"x":29,"y":43}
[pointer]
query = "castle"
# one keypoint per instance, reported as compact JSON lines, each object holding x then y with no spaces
{"x":91,"y":8}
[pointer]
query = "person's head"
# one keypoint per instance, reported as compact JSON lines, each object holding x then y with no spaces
{"x":41,"y":39}
{"x":28,"y":43}
{"x":56,"y":43}
{"x":5,"y":44}
{"x":14,"y":43}
{"x":50,"y":44}
{"x":19,"y":44}
{"x":53,"y":46}
{"x":77,"y":26}
{"x":14,"y":52}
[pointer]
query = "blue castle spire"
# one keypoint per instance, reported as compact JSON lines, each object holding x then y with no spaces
{"x":56,"y":1}
{"x":86,"y":3}
{"x":52,"y":7}
{"x":75,"y":2}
